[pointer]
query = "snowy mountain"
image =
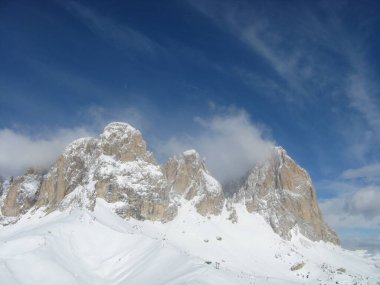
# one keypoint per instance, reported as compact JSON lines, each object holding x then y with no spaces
{"x":188,"y":177}
{"x":283,"y":193}
{"x":107,"y":213}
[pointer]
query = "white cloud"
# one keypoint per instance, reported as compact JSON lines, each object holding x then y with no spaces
{"x":371,"y":171}
{"x":354,"y":212}
{"x":356,"y":209}
{"x":356,"y":201}
{"x":20,"y":151}
{"x":364,"y":202}
{"x":230,"y":142}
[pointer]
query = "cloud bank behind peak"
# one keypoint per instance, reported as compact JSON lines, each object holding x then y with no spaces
{"x":229,"y":141}
{"x":19,"y":151}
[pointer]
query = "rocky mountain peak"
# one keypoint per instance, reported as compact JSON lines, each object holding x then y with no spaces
{"x":282,"y":192}
{"x":117,"y":167}
{"x":187,"y":175}
{"x":21,"y":194}
{"x":279,"y":153}
{"x":124,"y":142}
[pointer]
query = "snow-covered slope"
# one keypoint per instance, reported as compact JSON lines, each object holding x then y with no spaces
{"x":84,"y":247}
{"x":107,"y":213}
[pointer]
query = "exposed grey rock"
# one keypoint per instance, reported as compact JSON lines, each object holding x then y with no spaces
{"x":124,"y":143}
{"x":117,"y":167}
{"x":69,"y":172}
{"x":283,"y":193}
{"x":1,"y":185}
{"x":187,"y":175}
{"x":21,"y":194}
{"x":230,"y":207}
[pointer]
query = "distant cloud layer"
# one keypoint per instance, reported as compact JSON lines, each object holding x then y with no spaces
{"x":340,"y":214}
{"x":357,"y":197}
{"x":353,"y":211}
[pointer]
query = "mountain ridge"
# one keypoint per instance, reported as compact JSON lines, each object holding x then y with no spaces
{"x":117,"y":167}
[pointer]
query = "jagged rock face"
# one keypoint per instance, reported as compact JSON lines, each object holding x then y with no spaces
{"x":188,"y":176}
{"x":1,"y":186}
{"x":68,"y":173}
{"x":138,"y":187}
{"x":4,"y":187}
{"x":115,"y":167}
{"x":283,"y":193}
{"x":124,"y":143}
{"x":21,"y":194}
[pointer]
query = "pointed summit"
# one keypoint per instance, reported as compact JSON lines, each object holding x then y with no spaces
{"x":187,"y":175}
{"x":115,"y":167}
{"x":283,"y":193}
{"x":124,"y":142}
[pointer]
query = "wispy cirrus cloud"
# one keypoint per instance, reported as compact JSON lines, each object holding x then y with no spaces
{"x":310,"y":53}
{"x":363,"y":95}
{"x":291,"y":58}
{"x":120,"y":35}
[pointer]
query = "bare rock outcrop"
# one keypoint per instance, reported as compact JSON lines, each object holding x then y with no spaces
{"x":70,"y":172}
{"x":283,"y":193}
{"x":124,"y":143}
{"x":1,"y":186}
{"x":116,"y":167}
{"x":187,"y":175}
{"x":21,"y":194}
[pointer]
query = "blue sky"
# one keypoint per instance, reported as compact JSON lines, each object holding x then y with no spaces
{"x":300,"y":74}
